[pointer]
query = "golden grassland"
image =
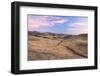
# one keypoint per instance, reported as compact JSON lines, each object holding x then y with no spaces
{"x":51,"y":48}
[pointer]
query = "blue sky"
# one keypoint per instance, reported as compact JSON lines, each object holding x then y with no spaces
{"x":58,"y":24}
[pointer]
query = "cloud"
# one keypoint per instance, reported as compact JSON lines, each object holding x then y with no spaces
{"x":36,"y":22}
{"x":77,"y":28}
{"x":74,"y":25}
{"x":59,"y":21}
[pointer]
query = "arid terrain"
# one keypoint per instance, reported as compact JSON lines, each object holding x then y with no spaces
{"x":52,"y":46}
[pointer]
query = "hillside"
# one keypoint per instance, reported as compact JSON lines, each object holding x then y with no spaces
{"x":51,"y":46}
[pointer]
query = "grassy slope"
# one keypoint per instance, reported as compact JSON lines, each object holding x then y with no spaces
{"x":40,"y":48}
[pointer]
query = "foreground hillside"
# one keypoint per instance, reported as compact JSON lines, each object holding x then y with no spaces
{"x":50,"y":46}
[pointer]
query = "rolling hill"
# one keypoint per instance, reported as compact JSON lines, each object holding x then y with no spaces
{"x":53,"y":46}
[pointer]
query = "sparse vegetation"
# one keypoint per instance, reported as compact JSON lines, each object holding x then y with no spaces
{"x":51,"y":46}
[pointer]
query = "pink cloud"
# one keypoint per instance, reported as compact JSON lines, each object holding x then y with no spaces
{"x":44,"y":21}
{"x":78,"y":28}
{"x":59,"y":21}
{"x":35,"y":23}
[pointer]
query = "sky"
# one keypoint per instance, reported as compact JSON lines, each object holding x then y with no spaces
{"x":58,"y":24}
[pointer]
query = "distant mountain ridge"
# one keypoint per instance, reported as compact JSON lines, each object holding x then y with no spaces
{"x":55,"y":35}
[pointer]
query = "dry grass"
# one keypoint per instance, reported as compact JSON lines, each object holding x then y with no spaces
{"x":41,"y":48}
